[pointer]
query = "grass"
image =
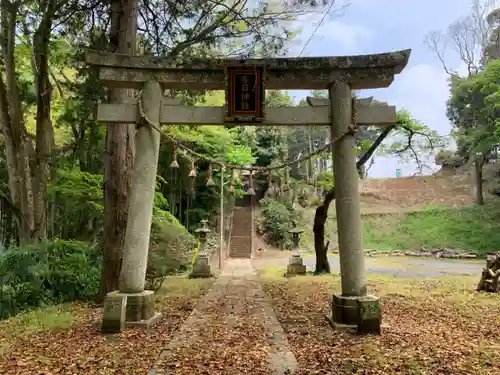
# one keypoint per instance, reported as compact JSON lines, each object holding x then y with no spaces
{"x":49,"y":318}
{"x":434,"y":326}
{"x":469,"y":228}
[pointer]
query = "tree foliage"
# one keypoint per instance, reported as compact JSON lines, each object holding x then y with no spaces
{"x":412,"y":141}
{"x":474,"y":110}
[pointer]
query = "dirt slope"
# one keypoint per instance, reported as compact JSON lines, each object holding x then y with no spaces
{"x":445,"y":188}
{"x":417,"y":191}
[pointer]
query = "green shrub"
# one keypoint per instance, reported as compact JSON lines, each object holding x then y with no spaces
{"x":47,"y":273}
{"x":276,"y":220}
{"x":54,"y":272}
{"x":170,"y":248}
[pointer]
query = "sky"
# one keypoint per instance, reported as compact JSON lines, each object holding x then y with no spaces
{"x":376,"y":26}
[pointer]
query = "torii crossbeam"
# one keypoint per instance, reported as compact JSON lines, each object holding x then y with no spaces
{"x":318,"y":115}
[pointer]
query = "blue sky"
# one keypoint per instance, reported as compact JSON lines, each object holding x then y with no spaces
{"x":374,"y":26}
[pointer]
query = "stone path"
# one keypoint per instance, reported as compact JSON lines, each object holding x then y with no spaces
{"x":233,"y":320}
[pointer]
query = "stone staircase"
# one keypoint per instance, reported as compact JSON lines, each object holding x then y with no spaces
{"x":241,"y":235}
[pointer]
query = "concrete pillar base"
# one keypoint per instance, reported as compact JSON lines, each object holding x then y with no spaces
{"x":360,"y":313}
{"x":201,"y":268}
{"x":124,"y":310}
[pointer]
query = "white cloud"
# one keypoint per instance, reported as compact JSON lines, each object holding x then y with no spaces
{"x":336,"y":37}
{"x":350,"y":36}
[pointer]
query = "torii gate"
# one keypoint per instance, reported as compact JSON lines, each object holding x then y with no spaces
{"x":245,"y":82}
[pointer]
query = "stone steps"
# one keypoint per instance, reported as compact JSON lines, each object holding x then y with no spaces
{"x":241,"y":235}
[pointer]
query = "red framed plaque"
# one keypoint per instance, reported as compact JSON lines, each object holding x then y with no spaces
{"x":245,"y":93}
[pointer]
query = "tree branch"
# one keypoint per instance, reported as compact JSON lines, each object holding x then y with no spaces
{"x":368,"y":154}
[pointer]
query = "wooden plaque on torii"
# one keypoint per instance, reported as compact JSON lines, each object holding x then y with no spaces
{"x":245,"y":93}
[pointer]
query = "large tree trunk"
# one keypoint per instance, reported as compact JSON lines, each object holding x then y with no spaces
{"x":44,"y":129}
{"x":120,"y":150}
{"x":321,"y":215}
{"x":17,"y":144}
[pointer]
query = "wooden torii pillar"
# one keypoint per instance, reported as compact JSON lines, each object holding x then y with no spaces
{"x":341,"y":74}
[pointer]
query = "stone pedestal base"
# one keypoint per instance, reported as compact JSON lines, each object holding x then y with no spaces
{"x":360,"y":313}
{"x":124,"y":310}
{"x":201,"y":268}
{"x":295,"y":266}
{"x":295,"y":269}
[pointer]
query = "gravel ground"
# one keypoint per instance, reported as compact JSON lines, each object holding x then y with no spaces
{"x":405,"y":267}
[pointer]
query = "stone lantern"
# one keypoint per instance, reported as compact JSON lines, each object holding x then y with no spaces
{"x":295,"y":265}
{"x":201,"y":266}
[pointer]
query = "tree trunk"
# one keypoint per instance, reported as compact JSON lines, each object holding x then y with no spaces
{"x":44,"y":129}
{"x":284,"y":179}
{"x":120,"y":150}
{"x":305,"y":170}
{"x":478,"y":169}
{"x":30,"y":203}
{"x":310,"y":161}
{"x":17,"y":144}
{"x":320,"y":248}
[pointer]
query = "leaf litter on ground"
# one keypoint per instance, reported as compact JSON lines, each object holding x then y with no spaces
{"x":229,"y":339}
{"x":434,"y":327}
{"x":439,"y":328}
{"x":81,"y":349}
